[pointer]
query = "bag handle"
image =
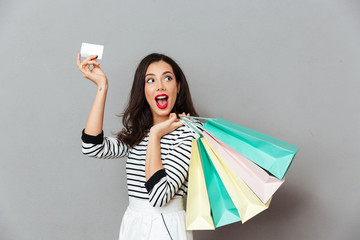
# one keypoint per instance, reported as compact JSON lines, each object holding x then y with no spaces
{"x":201,"y":118}
{"x":190,"y":124}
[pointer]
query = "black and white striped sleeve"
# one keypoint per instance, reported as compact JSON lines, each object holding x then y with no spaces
{"x":163,"y":185}
{"x":103,"y":147}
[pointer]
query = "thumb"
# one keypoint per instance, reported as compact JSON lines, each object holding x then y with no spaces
{"x":172,"y":116}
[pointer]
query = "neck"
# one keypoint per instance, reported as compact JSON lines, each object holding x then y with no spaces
{"x":159,"y":119}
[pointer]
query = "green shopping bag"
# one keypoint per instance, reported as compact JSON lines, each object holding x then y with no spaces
{"x":269,"y":153}
{"x":223,"y":209}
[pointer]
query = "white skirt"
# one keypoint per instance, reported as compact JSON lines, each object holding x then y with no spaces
{"x":142,"y":221}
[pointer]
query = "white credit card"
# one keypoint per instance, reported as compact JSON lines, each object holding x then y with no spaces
{"x":88,"y":49}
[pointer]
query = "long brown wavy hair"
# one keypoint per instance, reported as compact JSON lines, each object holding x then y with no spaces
{"x":137,"y":117}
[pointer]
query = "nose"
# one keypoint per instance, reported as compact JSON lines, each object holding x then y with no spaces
{"x":160,"y":86}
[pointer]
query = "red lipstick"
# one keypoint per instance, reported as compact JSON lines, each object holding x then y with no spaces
{"x":161,"y":101}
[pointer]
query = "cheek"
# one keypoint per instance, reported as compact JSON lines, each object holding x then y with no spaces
{"x":148,"y":94}
{"x":173,"y":87}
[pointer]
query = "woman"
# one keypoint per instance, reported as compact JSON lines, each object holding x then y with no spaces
{"x":154,"y":140}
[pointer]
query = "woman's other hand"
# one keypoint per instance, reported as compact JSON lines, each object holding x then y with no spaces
{"x":95,"y":74}
{"x":153,"y":161}
{"x":167,"y":126}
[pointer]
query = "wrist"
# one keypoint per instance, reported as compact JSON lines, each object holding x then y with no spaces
{"x":154,"y":134}
{"x":102,"y":87}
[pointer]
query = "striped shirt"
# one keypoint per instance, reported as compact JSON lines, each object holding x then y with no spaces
{"x":163,"y":185}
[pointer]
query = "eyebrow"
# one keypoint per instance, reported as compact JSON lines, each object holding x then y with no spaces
{"x":152,"y":74}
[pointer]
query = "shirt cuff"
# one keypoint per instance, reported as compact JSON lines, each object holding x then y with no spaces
{"x":92,"y":139}
{"x":154,"y":179}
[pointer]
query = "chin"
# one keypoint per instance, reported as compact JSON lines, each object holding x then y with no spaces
{"x":161,"y":112}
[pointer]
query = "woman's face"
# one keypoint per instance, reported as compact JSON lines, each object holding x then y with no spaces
{"x":161,"y":90}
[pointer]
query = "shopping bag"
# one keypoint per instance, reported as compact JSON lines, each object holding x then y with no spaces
{"x":245,"y":200}
{"x":269,"y":153}
{"x":198,"y":212}
{"x":222,"y":207}
{"x":259,"y":181}
{"x":230,"y":142}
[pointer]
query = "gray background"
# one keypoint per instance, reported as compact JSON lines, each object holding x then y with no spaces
{"x":289,"y":69}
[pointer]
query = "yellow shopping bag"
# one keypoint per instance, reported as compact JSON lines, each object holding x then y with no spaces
{"x":245,"y":200}
{"x":198,"y":213}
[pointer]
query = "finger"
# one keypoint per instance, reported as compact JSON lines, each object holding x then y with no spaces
{"x":82,"y":70}
{"x":86,"y":67}
{"x":93,"y":63}
{"x":87,"y":60}
{"x":172,"y":117}
{"x":180,"y":115}
{"x":84,"y":62}
{"x":97,"y":66}
{"x":92,"y":57}
{"x":81,"y":67}
{"x":78,"y":62}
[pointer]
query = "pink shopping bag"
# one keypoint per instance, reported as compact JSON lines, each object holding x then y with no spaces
{"x":258,"y":180}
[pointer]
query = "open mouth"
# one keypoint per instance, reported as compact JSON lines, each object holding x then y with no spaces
{"x":161,"y":101}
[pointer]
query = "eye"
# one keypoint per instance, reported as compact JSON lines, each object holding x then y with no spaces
{"x":150,"y":80}
{"x":168,"y":78}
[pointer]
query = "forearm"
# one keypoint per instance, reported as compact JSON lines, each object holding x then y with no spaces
{"x":94,"y":123}
{"x":153,"y":156}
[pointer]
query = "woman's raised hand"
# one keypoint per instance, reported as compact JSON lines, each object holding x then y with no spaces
{"x":95,"y":74}
{"x":94,"y":123}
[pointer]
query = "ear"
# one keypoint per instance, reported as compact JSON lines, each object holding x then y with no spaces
{"x":178,"y":87}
